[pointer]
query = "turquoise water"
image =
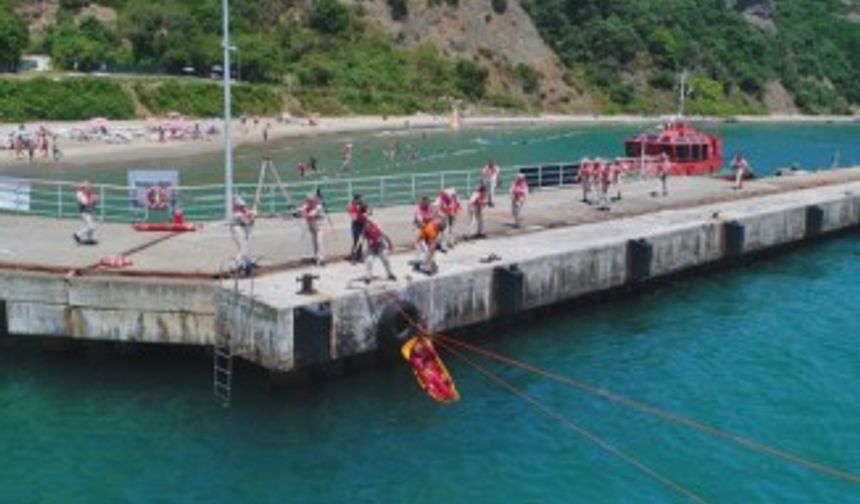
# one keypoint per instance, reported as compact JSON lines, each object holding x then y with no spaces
{"x":766,"y":146}
{"x":768,"y":350}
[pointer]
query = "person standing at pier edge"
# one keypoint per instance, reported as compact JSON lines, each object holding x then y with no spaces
{"x":603,"y":178}
{"x":585,"y":178}
{"x":477,"y":202}
{"x":240,"y":230}
{"x":448,"y":203}
{"x":664,"y":166}
{"x":491,"y":181}
{"x":357,"y":210}
{"x":379,"y":245}
{"x":519,"y":191}
{"x":313,"y":213}
{"x":86,"y":206}
{"x":741,"y":168}
{"x":616,"y":173}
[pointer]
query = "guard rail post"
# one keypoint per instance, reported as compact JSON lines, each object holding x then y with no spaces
{"x":59,"y":200}
{"x":102,"y":203}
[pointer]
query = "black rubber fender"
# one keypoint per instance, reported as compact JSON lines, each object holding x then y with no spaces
{"x":396,"y":324}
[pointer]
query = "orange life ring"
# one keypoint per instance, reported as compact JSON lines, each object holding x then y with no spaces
{"x":157,"y":197}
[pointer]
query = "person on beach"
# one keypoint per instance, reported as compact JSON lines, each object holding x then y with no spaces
{"x":266,"y":133}
{"x":240,"y":231}
{"x":86,"y":206}
{"x":491,"y":181}
{"x":312,"y":165}
{"x":56,"y":152}
{"x":424,"y":212}
{"x":379,"y":246}
{"x":301,"y":169}
{"x":585,"y":179}
{"x":31,"y":150}
{"x":347,"y":157}
{"x":313,"y":213}
{"x":741,"y":168}
{"x":477,"y":203}
{"x":664,"y":166}
{"x":519,"y":191}
{"x":44,"y":143}
{"x":448,"y":203}
{"x":358,"y":212}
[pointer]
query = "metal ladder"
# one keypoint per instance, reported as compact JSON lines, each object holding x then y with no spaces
{"x":222,"y":351}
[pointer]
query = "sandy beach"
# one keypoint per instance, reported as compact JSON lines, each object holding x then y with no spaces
{"x":251,"y":133}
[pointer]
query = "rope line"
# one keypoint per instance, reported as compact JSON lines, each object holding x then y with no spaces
{"x":646,"y":408}
{"x":666,"y":415}
{"x":566,"y":422}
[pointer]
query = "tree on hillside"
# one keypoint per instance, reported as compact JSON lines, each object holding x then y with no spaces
{"x":329,"y":16}
{"x":13,"y":38}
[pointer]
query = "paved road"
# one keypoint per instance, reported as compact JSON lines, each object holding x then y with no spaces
{"x":41,"y":243}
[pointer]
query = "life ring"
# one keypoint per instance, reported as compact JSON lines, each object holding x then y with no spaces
{"x":157,"y":197}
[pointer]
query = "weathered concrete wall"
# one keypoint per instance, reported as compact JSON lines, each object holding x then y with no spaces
{"x":105,"y":308}
{"x":269,"y":324}
{"x":553,"y":266}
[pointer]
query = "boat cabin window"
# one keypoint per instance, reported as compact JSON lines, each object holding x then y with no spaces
{"x":667,"y":149}
{"x":697,"y":152}
{"x":632,"y":149}
{"x":683,"y":152}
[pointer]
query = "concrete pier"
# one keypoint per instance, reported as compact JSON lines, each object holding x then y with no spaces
{"x":570,"y":251}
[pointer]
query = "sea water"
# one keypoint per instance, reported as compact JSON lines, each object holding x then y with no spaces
{"x":767,"y":147}
{"x":767,"y":350}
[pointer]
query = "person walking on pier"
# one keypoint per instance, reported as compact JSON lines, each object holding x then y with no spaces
{"x":356,"y":210}
{"x":86,"y":206}
{"x":491,"y":181}
{"x":448,"y":204}
{"x":664,"y":166}
{"x":313,"y":213}
{"x":240,"y":230}
{"x":477,"y":203}
{"x":519,"y":191}
{"x":603,"y":178}
{"x":741,"y":168}
{"x":379,"y":246}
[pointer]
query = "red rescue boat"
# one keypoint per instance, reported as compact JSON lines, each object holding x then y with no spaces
{"x":690,"y":151}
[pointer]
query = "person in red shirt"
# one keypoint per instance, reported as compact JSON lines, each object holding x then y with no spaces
{"x":448,"y":204}
{"x":86,"y":206}
{"x":426,"y":244}
{"x":240,"y":230}
{"x":585,"y":179}
{"x":477,"y":203}
{"x":356,"y":209}
{"x":491,"y":181}
{"x":379,"y":245}
{"x":741,"y":168}
{"x":519,"y":191}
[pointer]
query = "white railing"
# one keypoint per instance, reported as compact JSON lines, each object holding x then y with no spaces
{"x":206,"y":202}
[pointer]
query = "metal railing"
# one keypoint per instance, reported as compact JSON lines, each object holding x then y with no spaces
{"x":119,"y":203}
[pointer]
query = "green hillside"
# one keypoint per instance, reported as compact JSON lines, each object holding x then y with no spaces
{"x":323,"y":55}
{"x":628,"y":49}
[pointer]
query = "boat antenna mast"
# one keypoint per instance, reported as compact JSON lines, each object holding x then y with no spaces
{"x":683,"y":91}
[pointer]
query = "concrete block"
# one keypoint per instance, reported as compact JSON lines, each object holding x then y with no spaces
{"x":128,"y":294}
{"x":312,"y":335}
{"x":37,"y":319}
{"x":640,"y":253}
{"x":814,"y":221}
{"x":733,"y":238}
{"x":21,"y":286}
{"x":508,"y":289}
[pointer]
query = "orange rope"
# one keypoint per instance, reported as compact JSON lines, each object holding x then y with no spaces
{"x":652,"y":410}
{"x":666,"y":415}
{"x":653,"y":473}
